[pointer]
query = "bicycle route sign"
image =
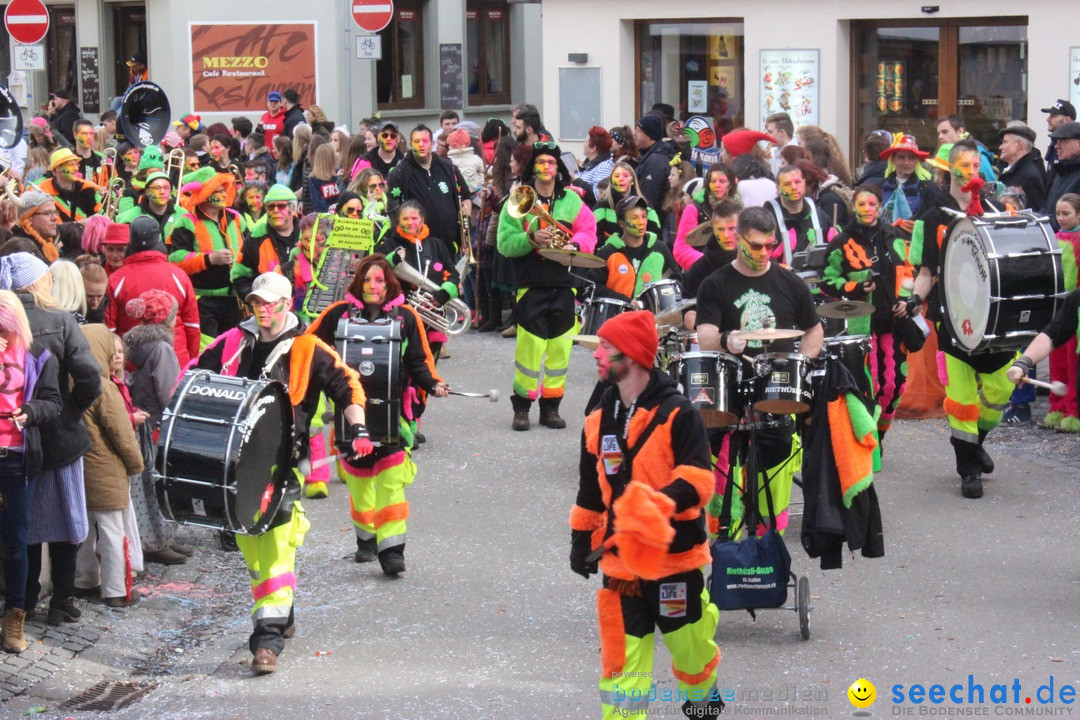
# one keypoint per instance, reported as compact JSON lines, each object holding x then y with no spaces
{"x":372,"y":15}
{"x":28,"y":57}
{"x":369,"y":47}
{"x":26,"y":20}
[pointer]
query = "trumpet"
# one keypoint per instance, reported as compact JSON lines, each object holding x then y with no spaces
{"x":110,"y":204}
{"x":452,"y":318}
{"x":523,"y":202}
{"x":174,"y":167}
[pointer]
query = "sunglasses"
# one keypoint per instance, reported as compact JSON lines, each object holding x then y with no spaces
{"x":352,"y":211}
{"x":545,"y":145}
{"x":759,"y":246}
{"x":388,"y":135}
{"x":276,"y":206}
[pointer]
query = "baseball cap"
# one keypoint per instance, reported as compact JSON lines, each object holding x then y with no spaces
{"x":1068,"y":131}
{"x":137,"y":59}
{"x":1062,"y":107}
{"x":274,"y":96}
{"x":388,"y":124}
{"x":65,"y":94}
{"x":270,"y":287}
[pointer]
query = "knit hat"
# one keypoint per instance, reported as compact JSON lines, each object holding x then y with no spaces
{"x":172,"y":140}
{"x":652,"y":125}
{"x":19,"y":270}
{"x":145,"y":234}
{"x":117,"y":234}
{"x":156,"y":176}
{"x":94,"y":230}
{"x":279,"y":193}
{"x":941,"y":160}
{"x":153,"y":307}
{"x":634,"y":334}
{"x":202,"y":183}
{"x":61,"y":156}
{"x":151,"y":159}
{"x":458,"y":139}
{"x":741,"y":142}
{"x":904,"y":143}
{"x":192,"y":121}
{"x":30,"y":201}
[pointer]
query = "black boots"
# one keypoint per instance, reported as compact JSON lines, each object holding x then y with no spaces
{"x":969,"y":466}
{"x":549,"y":413}
{"x":393,"y":560}
{"x":366,"y":550}
{"x":985,"y":461}
{"x":521,"y":411}
{"x":971,"y":486}
{"x":712,"y":710}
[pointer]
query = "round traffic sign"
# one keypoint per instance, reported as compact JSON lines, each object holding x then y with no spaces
{"x":372,"y":15}
{"x":26,"y":20}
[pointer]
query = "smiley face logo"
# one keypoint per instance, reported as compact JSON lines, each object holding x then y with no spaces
{"x":862,"y":693}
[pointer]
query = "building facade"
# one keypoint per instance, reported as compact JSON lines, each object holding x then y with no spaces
{"x":220,"y":59}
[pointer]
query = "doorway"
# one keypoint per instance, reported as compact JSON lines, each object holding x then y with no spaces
{"x":129,"y":38}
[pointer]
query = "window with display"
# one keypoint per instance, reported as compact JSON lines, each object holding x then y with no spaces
{"x":487,"y":31}
{"x":400,"y":73}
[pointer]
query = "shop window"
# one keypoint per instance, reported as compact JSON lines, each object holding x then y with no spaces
{"x":61,"y":51}
{"x":487,"y":31}
{"x":694,"y":66}
{"x":129,"y":38}
{"x":399,"y":75}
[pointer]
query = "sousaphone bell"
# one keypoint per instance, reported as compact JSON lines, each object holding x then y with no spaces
{"x":11,"y":121}
{"x":144,"y":114}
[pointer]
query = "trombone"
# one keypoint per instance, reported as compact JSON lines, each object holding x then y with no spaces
{"x":523,"y":203}
{"x":174,"y":167}
{"x":110,"y":204}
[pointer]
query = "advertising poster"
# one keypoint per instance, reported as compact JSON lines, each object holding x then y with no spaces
{"x":235,"y":65}
{"x":1074,"y":76}
{"x":891,"y":79}
{"x":789,"y":83}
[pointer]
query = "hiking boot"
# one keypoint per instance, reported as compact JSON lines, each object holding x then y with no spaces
{"x":971,"y":486}
{"x":168,"y":556}
{"x":549,"y":413}
{"x":521,"y":420}
{"x":119,"y":602}
{"x":393,"y":560}
{"x":63,"y":611}
{"x":985,"y":461}
{"x":182,"y":548}
{"x":366,"y":550}
{"x":509,"y":331}
{"x":264,"y":662}
{"x":14,"y":639}
{"x":421,"y":438}
{"x":316,"y":490}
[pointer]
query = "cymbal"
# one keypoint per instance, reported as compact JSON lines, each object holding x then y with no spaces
{"x":844,"y":309}
{"x":572,"y":258}
{"x":587,"y":341}
{"x":674,"y":314}
{"x":768,"y":334}
{"x":699,"y":236}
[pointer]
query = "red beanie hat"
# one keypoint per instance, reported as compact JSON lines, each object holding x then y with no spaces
{"x":741,"y":142}
{"x":152,"y":307}
{"x":117,"y":234}
{"x":634,"y":334}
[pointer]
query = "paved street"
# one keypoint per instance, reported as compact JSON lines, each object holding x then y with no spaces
{"x":489,"y":622}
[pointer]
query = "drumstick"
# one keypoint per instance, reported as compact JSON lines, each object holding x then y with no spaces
{"x":305,"y":466}
{"x":492,"y":395}
{"x":1057,"y":387}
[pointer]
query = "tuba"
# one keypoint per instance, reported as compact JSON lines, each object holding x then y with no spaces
{"x":452,"y":318}
{"x":523,"y":203}
{"x":11,"y":121}
{"x":144,"y":114}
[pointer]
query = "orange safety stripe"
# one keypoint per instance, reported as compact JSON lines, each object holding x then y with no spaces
{"x":960,"y":411}
{"x":698,"y":678}
{"x":367,"y":517}
{"x":391,"y":513}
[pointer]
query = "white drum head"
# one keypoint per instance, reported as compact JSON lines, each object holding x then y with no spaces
{"x":966,"y":283}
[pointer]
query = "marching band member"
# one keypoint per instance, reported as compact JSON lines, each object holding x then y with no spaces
{"x":720,"y":251}
{"x":719,"y":185}
{"x":205,"y":241}
{"x":545,"y":296}
{"x":271,"y":343}
{"x":270,"y":242}
{"x":977,"y":391}
{"x":623,"y":181}
{"x":377,"y":482}
{"x":644,"y":483}
{"x":156,"y":203}
{"x":75,"y":198}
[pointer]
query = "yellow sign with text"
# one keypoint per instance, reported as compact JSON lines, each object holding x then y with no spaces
{"x":355,"y":234}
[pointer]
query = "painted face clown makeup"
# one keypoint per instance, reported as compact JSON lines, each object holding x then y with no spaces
{"x":131,"y":158}
{"x":159,"y":191}
{"x":965,"y":166}
{"x":217,"y":198}
{"x":410,"y":222}
{"x":718,"y":185}
{"x":725,"y":230}
{"x":620,"y":179}
{"x":388,"y":140}
{"x":312,"y":251}
{"x":69,"y":170}
{"x":635,"y":221}
{"x":278,"y":213}
{"x":254,"y":199}
{"x":867,"y":208}
{"x":792,"y":186}
{"x":84,"y":138}
{"x":611,"y":364}
{"x":267,"y":314}
{"x":217,"y":150}
{"x":545,"y":167}
{"x":374,"y":286}
{"x":754,"y":249}
{"x":421,"y":145}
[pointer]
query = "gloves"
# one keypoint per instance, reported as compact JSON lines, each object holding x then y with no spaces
{"x":643,"y":529}
{"x":361,"y":444}
{"x":580,"y":548}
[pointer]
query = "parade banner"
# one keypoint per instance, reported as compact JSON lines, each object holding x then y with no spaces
{"x":789,"y":83}
{"x":235,"y":65}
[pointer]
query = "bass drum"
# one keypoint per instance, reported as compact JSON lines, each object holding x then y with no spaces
{"x":1001,"y":280}
{"x":225,"y":452}
{"x":373,"y":349}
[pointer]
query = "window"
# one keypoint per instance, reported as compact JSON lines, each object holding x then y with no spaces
{"x":487,"y":32}
{"x":399,"y":75}
{"x":61,"y":51}
{"x":129,"y":37}
{"x":694,"y":66}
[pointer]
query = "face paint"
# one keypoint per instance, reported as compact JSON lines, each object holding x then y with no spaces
{"x":607,"y":357}
{"x":84,"y":138}
{"x":216,"y":150}
{"x":867,"y":208}
{"x":635,"y":222}
{"x":792,"y":186}
{"x":267,"y":314}
{"x":754,"y":249}
{"x":254,"y":200}
{"x":388,"y":140}
{"x":69,"y":170}
{"x":965,"y":167}
{"x":131,"y":158}
{"x":159,"y":191}
{"x":620,"y":179}
{"x":312,"y":251}
{"x":726,"y":232}
{"x":545,"y":168}
{"x":410,"y":222}
{"x":421,"y":145}
{"x":718,"y":185}
{"x":374,"y":286}
{"x":217,"y":198}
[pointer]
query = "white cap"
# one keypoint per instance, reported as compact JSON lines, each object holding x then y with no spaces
{"x":270,"y":286}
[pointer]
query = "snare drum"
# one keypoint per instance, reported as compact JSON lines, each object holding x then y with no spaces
{"x":785,"y":385}
{"x":224,"y":452}
{"x":1001,"y":280}
{"x":373,"y":349}
{"x":853,"y":352}
{"x":598,"y":310}
{"x":709,"y":380}
{"x":660,"y":295}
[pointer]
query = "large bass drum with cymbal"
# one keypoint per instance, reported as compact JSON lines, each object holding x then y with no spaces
{"x":11,"y":120}
{"x":1001,"y":280}
{"x":144,"y":114}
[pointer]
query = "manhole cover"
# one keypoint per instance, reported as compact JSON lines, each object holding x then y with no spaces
{"x":109,"y":695}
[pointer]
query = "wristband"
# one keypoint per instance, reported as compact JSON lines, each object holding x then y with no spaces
{"x":1024,"y":362}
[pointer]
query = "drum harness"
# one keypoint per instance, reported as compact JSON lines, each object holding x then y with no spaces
{"x":279,"y":350}
{"x":783,"y":229}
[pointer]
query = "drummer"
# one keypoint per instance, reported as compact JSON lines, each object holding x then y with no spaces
{"x":977,"y":390}
{"x":754,"y":293}
{"x":720,"y":251}
{"x":270,"y":344}
{"x":634,"y":257}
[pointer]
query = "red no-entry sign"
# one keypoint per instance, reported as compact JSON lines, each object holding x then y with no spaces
{"x":26,"y":20}
{"x":372,"y":15}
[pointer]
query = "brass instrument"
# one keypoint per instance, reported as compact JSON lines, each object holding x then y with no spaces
{"x":109,"y":157}
{"x":10,"y":189}
{"x":523,"y":202}
{"x":452,"y":318}
{"x":110,"y":203}
{"x":174,"y":167}
{"x":237,"y":174}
